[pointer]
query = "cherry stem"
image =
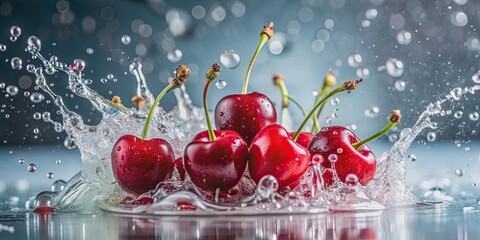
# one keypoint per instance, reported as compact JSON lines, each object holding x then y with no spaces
{"x":319,"y":103}
{"x":346,"y":86}
{"x":263,"y":39}
{"x":394,"y":119}
{"x":154,"y":105}
{"x":212,"y":74}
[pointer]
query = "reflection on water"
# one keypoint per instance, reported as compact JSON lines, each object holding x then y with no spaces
{"x":402,"y":223}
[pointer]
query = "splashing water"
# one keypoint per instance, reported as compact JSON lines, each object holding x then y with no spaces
{"x":96,"y":184}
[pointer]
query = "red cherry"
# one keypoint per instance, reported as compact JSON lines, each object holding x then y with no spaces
{"x":139,"y":165}
{"x":43,"y":210}
{"x":273,"y":152}
{"x":144,"y":201}
{"x":180,"y":168}
{"x":303,"y":139}
{"x":245,"y":114}
{"x":216,"y":164}
{"x":337,"y":140}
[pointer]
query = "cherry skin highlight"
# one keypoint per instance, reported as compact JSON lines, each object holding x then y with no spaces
{"x":217,"y":164}
{"x":273,"y":152}
{"x":139,"y":165}
{"x":338,"y":140}
{"x":245,"y":114}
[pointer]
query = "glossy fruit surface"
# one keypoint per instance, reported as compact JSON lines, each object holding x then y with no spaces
{"x":139,"y":165}
{"x":216,"y":164}
{"x":273,"y":152}
{"x":245,"y":114}
{"x":335,"y":143}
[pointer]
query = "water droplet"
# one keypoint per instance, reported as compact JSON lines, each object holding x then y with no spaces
{"x":335,"y":101}
{"x":37,"y":116}
{"x":332,"y":158}
{"x":126,"y":39}
{"x":412,"y":157}
{"x":32,"y":167}
{"x":12,"y":90}
{"x":371,"y":112}
{"x":328,"y":120}
{"x":392,"y":137}
{"x":400,"y":85}
{"x":476,"y":77}
{"x":46,"y":116}
{"x":431,"y":136}
{"x":267,"y":186}
{"x":21,"y":161}
{"x":3,"y":48}
{"x":354,"y":60}
{"x":58,"y":185}
{"x":16,"y":63}
{"x":69,"y":143}
{"x":103,"y":80}
{"x":110,"y":76}
{"x":79,"y":64}
{"x":459,"y":18}
{"x":36,"y":130}
{"x":371,"y":13}
{"x":456,"y":93}
{"x":315,"y":93}
{"x":362,"y":72}
{"x":365,"y":23}
{"x":339,"y":150}
{"x":458,"y":114}
{"x":15,"y":32}
{"x":49,"y":175}
{"x":404,"y":37}
{"x":221,"y":84}
{"x":44,"y":199}
{"x":230,"y":59}
{"x":317,"y":159}
{"x":175,"y":55}
{"x":459,"y":172}
{"x":37,"y":97}
{"x":474,"y":116}
{"x":34,"y":44}
{"x":352,"y":127}
{"x":351,"y":180}
{"x":394,"y":67}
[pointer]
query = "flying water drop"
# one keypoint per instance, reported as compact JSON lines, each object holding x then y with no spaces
{"x":221,"y":84}
{"x":394,"y":67}
{"x":230,"y":59}
{"x":16,"y":63}
{"x":404,"y":37}
{"x":354,"y":60}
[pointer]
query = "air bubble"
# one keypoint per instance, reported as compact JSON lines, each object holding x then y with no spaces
{"x":362,"y":72}
{"x":431,"y":136}
{"x":458,"y":114}
{"x":36,"y":131}
{"x":3,"y":48}
{"x":404,"y":37}
{"x":37,"y":116}
{"x":354,"y":60}
{"x":37,"y":97}
{"x":89,"y":51}
{"x":400,"y":85}
{"x":459,"y":19}
{"x":12,"y":90}
{"x":32,"y":167}
{"x":351,"y":180}
{"x":394,"y":67}
{"x":175,"y":55}
{"x":126,"y":39}
{"x":15,"y":32}
{"x":16,"y":63}
{"x":49,"y":175}
{"x":335,"y":101}
{"x":371,"y":112}
{"x":474,"y":116}
{"x":34,"y":44}
{"x":230,"y":59}
{"x":69,"y":143}
{"x":221,"y":84}
{"x":58,"y":161}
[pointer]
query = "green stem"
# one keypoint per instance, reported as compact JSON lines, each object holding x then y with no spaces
{"x":333,"y":92}
{"x":298,"y":105}
{"x":152,"y":108}
{"x":263,"y":39}
{"x":211,"y":134}
{"x":387,"y":127}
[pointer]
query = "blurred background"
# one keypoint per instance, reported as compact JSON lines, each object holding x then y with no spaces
{"x":410,"y":53}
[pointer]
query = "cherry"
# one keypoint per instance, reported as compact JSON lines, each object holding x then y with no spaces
{"x":339,"y":146}
{"x":273,"y":152}
{"x":139,"y":164}
{"x":43,"y":210}
{"x":215,"y":160}
{"x":246,"y":113}
{"x":180,"y":168}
